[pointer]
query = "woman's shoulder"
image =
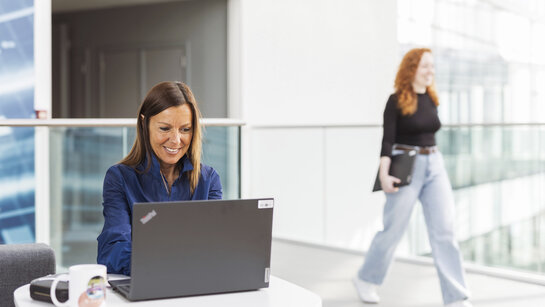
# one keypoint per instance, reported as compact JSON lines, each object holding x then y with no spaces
{"x":391,"y":104}
{"x":119,"y":167}
{"x":392,"y":97}
{"x":209,"y":177}
{"x":208,"y":171}
{"x":120,"y":170}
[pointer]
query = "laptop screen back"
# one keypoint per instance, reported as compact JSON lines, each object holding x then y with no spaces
{"x":200,"y":247}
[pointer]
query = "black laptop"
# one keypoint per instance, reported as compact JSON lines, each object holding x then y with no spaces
{"x":198,"y":247}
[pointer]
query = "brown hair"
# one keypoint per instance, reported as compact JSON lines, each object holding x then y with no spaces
{"x":406,"y":96}
{"x":161,"y":97}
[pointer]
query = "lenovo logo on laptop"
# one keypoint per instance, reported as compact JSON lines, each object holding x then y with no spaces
{"x":148,"y":217}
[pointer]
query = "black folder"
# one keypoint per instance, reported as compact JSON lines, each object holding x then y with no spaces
{"x":401,"y":167}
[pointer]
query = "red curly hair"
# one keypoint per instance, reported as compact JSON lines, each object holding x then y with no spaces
{"x":406,"y":96}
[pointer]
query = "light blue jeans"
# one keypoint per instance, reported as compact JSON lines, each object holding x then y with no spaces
{"x":430,"y":184}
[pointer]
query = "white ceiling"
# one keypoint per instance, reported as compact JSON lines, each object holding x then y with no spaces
{"x":58,"y":6}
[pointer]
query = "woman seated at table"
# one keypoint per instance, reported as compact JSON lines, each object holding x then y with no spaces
{"x":164,"y":164}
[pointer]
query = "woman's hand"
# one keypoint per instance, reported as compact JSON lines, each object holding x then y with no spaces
{"x":387,"y":181}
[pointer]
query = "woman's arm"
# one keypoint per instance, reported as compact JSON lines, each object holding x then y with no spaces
{"x":389,"y":126}
{"x":390,"y":117}
{"x":114,"y":243}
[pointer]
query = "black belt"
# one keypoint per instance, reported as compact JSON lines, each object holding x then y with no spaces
{"x":421,"y":150}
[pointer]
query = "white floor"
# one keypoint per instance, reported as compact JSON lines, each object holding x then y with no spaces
{"x":328,"y":273}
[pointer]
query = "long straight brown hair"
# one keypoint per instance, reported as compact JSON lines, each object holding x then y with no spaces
{"x":406,"y":96}
{"x":161,"y":97}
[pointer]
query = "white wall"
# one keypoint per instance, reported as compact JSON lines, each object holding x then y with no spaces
{"x":321,"y":179}
{"x":313,"y":63}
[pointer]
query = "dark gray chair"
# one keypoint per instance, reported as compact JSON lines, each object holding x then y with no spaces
{"x":20,"y":264}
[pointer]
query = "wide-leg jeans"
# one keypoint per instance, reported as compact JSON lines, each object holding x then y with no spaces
{"x":430,"y":184}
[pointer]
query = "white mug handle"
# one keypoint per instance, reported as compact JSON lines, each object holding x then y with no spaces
{"x":52,"y":292}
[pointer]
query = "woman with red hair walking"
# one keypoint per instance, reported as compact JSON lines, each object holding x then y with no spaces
{"x":410,"y":124}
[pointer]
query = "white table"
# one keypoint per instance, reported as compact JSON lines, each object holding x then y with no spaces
{"x":279,"y":294}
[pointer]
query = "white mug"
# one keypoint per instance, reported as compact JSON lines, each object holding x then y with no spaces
{"x":86,"y":286}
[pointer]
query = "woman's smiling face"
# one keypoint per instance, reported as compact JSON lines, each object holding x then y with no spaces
{"x":425,"y":71}
{"x":170,"y":134}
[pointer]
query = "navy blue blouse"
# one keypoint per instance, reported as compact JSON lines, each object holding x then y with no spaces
{"x":123,"y":187}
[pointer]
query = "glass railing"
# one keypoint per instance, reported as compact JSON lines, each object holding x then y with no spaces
{"x":17,"y":224}
{"x":79,"y":153}
{"x":497,"y":173}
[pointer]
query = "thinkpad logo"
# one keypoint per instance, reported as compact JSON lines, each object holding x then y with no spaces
{"x":148,"y":217}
